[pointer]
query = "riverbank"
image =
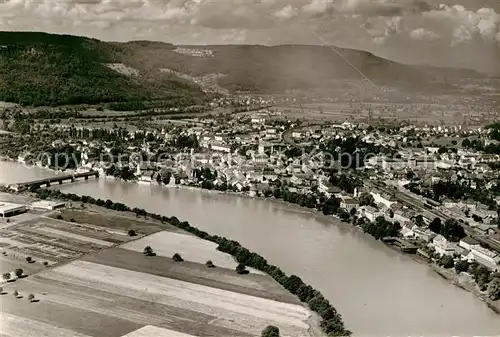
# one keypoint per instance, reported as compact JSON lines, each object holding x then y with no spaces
{"x":462,"y":281}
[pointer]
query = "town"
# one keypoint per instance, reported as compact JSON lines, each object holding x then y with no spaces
{"x":428,"y":190}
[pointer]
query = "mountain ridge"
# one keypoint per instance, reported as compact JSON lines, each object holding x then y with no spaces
{"x":49,"y":69}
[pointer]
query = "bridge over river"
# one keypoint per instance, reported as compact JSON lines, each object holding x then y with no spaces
{"x":56,"y":179}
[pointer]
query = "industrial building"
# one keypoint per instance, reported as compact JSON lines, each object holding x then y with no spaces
{"x":47,"y":205}
{"x":8,"y":209}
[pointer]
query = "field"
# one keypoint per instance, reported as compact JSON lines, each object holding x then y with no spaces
{"x":195,"y":250}
{"x":48,"y":240}
{"x":107,"y":287}
{"x":121,"y":222}
{"x":154,"y":331}
{"x":419,"y":113}
{"x":53,"y":241}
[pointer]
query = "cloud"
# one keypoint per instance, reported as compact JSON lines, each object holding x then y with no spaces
{"x":382,"y":29}
{"x":423,"y":34}
{"x":318,"y":7}
{"x":383,"y":7}
{"x":286,"y":12}
{"x":468,"y":25}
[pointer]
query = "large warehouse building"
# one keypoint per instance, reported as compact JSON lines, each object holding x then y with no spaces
{"x":8,"y":209}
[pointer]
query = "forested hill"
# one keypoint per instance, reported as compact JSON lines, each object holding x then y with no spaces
{"x":47,"y":69}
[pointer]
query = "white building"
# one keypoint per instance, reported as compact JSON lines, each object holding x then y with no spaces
{"x":271,"y":131}
{"x":382,"y":199}
{"x":349,"y":203}
{"x":47,"y":205}
{"x":371,"y":213}
{"x":424,"y":234}
{"x":485,"y":257}
{"x":328,"y":189}
{"x":443,"y":246}
{"x":467,"y":243}
{"x":406,"y":231}
{"x":298,"y":134}
{"x":8,"y":209}
{"x":221,"y":147}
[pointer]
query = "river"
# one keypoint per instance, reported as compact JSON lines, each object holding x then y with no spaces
{"x":379,"y":291}
{"x":13,"y":172}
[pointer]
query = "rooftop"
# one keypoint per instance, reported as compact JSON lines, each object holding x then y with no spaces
{"x":350,"y":201}
{"x":46,"y":203}
{"x":8,"y":207}
{"x":469,"y":240}
{"x":484,"y":251}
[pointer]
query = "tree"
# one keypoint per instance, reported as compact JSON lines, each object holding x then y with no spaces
{"x":31,"y":297}
{"x":435,"y":225}
{"x":366,"y":199}
{"x":132,"y":232}
{"x":462,"y":266}
{"x":343,"y":215}
{"x":305,"y":293}
{"x":29,"y":259}
{"x":177,"y":257}
{"x":240,"y":269}
{"x":480,"y":274}
{"x":452,"y":230}
{"x":391,"y":213}
{"x":15,"y":293}
{"x":210,"y":264}
{"x":419,"y":220}
{"x":494,"y":289}
{"x":442,"y":149}
{"x":19,"y":272}
{"x":293,"y":284}
{"x":270,"y":331}
{"x":446,"y":261}
{"x":6,"y":276}
{"x":148,"y":251}
{"x":466,"y":142}
{"x":59,"y":217}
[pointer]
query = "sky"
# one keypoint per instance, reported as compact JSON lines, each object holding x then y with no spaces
{"x":454,"y":33}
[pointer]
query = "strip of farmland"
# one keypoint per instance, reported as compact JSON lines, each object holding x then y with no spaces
{"x":16,"y":326}
{"x":191,"y":247}
{"x":247,"y":313}
{"x":252,"y":284}
{"x":149,"y":331}
{"x":74,"y":236}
